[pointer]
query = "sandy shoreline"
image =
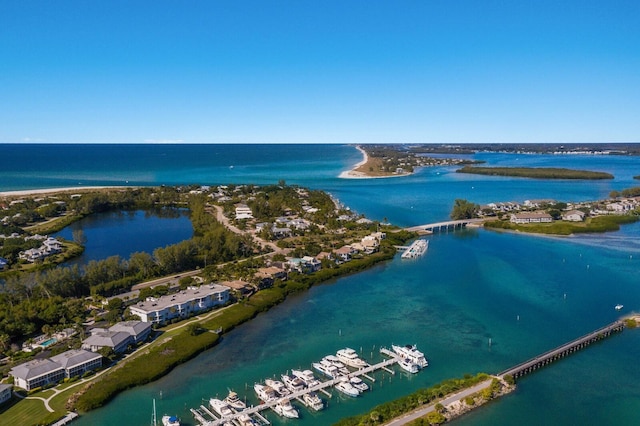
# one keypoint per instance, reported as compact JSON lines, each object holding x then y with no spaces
{"x":354,"y":174}
{"x":26,"y":192}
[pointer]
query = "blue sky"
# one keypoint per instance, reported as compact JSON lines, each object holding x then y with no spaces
{"x":300,"y":71}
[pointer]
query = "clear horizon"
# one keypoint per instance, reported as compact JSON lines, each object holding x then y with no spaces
{"x":320,"y":72}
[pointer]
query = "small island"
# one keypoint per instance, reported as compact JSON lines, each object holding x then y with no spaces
{"x":536,"y":172}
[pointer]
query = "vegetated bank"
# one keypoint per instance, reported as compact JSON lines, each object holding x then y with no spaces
{"x":187,"y":342}
{"x":591,"y":225}
{"x":536,"y":172}
{"x":388,"y":411}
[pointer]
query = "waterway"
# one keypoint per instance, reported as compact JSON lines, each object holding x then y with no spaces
{"x":526,"y":293}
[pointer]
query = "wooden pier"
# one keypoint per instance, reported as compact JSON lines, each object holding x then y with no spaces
{"x":256,"y":410}
{"x":562,"y":351}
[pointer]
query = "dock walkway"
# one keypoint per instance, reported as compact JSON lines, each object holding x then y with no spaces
{"x":255,"y":410}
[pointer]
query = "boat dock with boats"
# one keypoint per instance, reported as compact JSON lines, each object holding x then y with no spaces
{"x":416,"y":249}
{"x":302,"y":387}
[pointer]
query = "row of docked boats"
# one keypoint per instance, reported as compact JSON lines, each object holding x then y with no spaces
{"x":302,"y":385}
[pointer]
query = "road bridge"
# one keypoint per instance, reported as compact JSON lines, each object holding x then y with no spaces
{"x":444,"y":226}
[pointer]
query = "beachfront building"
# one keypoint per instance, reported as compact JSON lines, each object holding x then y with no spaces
{"x":5,"y":392}
{"x":531,"y":217}
{"x":49,"y":371}
{"x":267,"y":276}
{"x":180,"y":305}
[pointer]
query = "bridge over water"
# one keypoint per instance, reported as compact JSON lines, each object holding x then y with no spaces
{"x":564,"y":350}
{"x":444,"y":226}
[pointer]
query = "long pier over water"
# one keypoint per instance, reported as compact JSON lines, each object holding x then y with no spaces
{"x":562,"y":351}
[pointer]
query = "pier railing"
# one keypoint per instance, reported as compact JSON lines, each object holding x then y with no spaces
{"x":563,"y":350}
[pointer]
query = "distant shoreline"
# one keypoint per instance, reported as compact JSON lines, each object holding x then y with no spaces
{"x":354,"y":173}
{"x":25,"y":192}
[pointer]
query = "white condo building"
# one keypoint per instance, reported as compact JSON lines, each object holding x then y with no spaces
{"x":182,"y":304}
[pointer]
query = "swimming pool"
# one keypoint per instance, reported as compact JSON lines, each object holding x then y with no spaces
{"x":48,"y":342}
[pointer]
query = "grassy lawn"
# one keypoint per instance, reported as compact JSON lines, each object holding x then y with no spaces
{"x":29,"y":412}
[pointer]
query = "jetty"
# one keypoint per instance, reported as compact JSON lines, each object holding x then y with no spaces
{"x":208,"y":419}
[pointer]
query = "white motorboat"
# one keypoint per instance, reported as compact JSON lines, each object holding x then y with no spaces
{"x":170,"y":421}
{"x":412,"y":354}
{"x":234,"y":402}
{"x":221,"y":407}
{"x":285,"y":409}
{"x":327,"y":369}
{"x":307,"y":377}
{"x":277,"y":386}
{"x":265,"y":393}
{"x":358,"y":383}
{"x":618,"y":307}
{"x":350,"y":358}
{"x":408,"y":365}
{"x":313,"y":401}
{"x":348,"y":389}
{"x":294,"y":384}
{"x":246,"y":420}
{"x":334,"y":360}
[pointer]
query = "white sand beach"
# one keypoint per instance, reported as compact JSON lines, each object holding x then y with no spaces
{"x":354,"y":174}
{"x":55,"y":190}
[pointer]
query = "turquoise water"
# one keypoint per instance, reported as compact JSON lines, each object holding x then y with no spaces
{"x":527,"y":294}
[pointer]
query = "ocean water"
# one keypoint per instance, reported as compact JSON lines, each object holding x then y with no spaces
{"x":526,"y":293}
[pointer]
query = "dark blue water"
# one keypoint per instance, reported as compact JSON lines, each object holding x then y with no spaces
{"x":469,"y":287}
{"x":126,"y":232}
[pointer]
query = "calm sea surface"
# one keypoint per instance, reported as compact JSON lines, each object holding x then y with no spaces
{"x":527,"y":294}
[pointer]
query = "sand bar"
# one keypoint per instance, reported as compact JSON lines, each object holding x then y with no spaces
{"x":26,"y":192}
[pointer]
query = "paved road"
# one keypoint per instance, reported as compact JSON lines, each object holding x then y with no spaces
{"x":448,"y":400}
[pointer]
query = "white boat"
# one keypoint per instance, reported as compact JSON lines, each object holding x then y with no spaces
{"x":246,"y":420}
{"x":221,"y":407}
{"x":307,"y":377}
{"x":277,"y":386}
{"x":618,"y":307}
{"x":358,"y":383}
{"x":334,"y":360}
{"x":412,"y":354}
{"x":294,"y":384}
{"x":265,"y":393}
{"x":170,"y":421}
{"x":285,"y":409}
{"x":408,"y":365}
{"x":327,"y":369}
{"x":234,"y":402}
{"x":350,"y":358}
{"x":313,"y":401}
{"x":416,"y":249}
{"x":347,"y":389}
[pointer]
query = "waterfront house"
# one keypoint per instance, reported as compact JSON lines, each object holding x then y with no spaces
{"x":344,"y":253}
{"x":5,"y":392}
{"x":573,"y":216}
{"x":531,"y":217}
{"x":267,"y":276}
{"x":49,"y":371}
{"x":180,"y":305}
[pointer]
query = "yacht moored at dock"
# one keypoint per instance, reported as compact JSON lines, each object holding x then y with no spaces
{"x":408,"y":365}
{"x":358,"y":383}
{"x":234,"y":402}
{"x":221,"y":407}
{"x":350,"y":357}
{"x":265,"y":393}
{"x":170,"y":421}
{"x":277,"y":386}
{"x":411,"y":353}
{"x":347,"y":388}
{"x":294,"y":384}
{"x":327,"y":369}
{"x":313,"y":401}
{"x":416,"y":249}
{"x":307,"y":377}
{"x":285,"y":409}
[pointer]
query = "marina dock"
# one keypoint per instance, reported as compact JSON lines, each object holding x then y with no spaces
{"x":206,"y":417}
{"x":416,"y":249}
